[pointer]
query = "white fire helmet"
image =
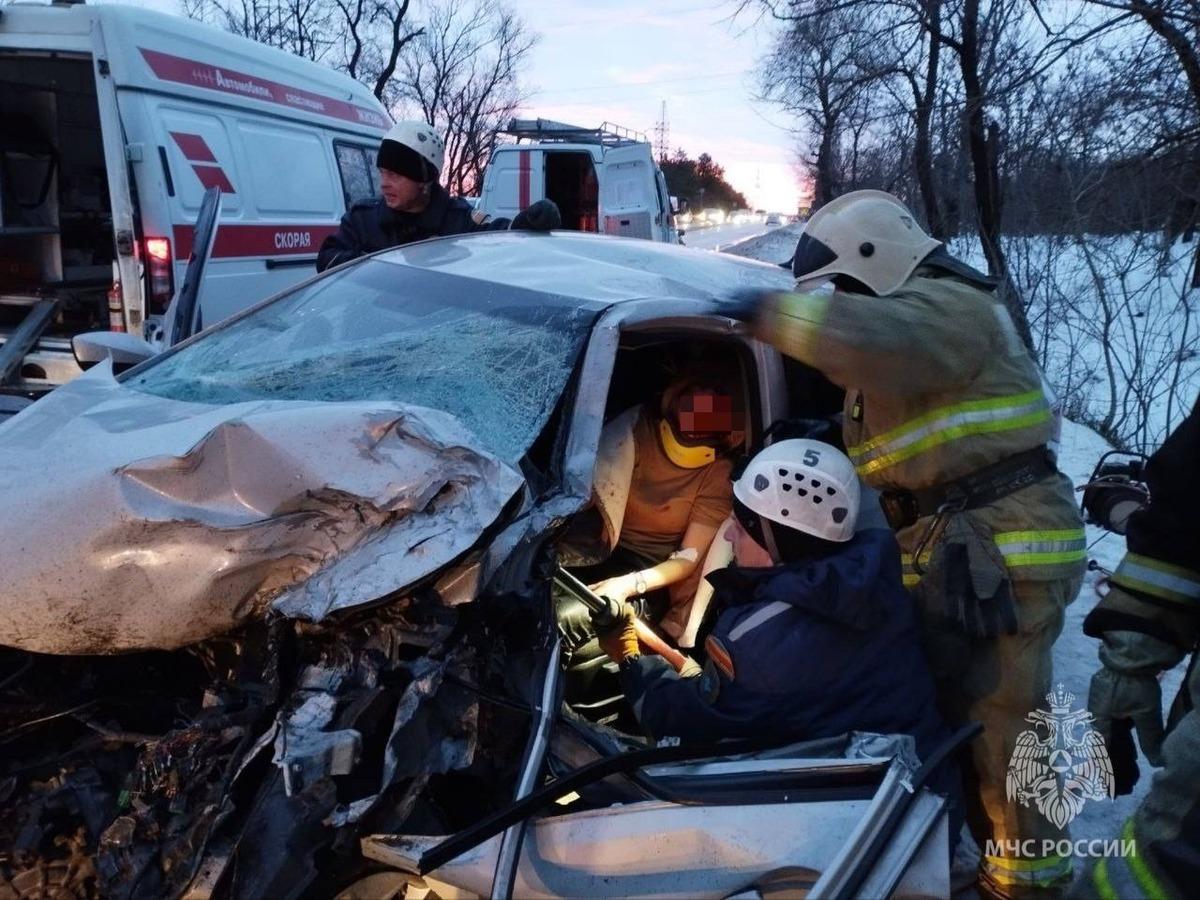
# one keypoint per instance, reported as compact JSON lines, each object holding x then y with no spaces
{"x":868,"y":235}
{"x":413,"y":148}
{"x":806,"y":485}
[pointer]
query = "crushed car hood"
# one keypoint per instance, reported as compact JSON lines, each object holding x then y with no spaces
{"x":135,"y":522}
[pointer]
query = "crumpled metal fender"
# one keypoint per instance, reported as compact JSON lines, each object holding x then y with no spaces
{"x":135,"y":522}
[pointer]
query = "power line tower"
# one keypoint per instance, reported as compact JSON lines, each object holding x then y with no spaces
{"x":662,"y":134}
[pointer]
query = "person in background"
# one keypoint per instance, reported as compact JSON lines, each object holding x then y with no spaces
{"x":413,"y":206}
{"x":1149,"y":621}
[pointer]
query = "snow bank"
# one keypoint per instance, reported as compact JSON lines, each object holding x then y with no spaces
{"x":775,"y":246}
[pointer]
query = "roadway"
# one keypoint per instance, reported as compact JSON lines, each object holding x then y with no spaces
{"x":718,"y":237}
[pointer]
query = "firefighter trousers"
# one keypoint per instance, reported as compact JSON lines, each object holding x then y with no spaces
{"x":998,"y":682}
{"x":1163,"y":834}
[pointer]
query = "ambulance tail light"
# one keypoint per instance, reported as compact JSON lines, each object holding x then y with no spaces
{"x":160,"y":282}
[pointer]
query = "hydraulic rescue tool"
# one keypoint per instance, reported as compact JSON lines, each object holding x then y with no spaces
{"x":647,"y":636}
{"x":1116,"y":490}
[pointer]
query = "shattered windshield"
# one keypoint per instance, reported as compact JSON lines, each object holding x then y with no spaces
{"x":494,"y":356}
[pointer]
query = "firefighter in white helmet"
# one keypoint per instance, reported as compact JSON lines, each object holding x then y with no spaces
{"x":946,"y":414}
{"x":412,"y":205}
{"x":815,"y":635}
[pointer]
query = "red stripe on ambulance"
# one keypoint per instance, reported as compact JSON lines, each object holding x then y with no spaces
{"x":194,"y":147}
{"x":199,"y":74}
{"x":214,"y":176}
{"x":523,"y":181}
{"x":234,"y":241}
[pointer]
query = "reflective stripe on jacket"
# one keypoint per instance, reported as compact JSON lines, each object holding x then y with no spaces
{"x":939,"y":385}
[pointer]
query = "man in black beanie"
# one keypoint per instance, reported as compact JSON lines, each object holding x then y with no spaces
{"x":413,"y":206}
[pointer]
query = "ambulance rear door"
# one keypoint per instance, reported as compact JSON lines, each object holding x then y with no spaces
{"x":515,"y":178}
{"x":628,"y":193}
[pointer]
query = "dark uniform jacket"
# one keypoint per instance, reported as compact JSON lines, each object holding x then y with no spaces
{"x":1156,"y":592}
{"x":372,"y":225}
{"x":1160,"y":574}
{"x":812,"y":649}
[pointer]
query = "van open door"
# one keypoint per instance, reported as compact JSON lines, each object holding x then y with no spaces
{"x":629,"y":205}
{"x":129,"y":274}
{"x":183,"y":318}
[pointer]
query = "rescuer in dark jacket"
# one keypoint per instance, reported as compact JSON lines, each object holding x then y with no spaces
{"x":1148,"y":622}
{"x":815,"y":638}
{"x":414,"y":206}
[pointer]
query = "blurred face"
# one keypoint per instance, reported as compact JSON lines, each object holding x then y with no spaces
{"x":746,"y":551}
{"x":401,"y":193}
{"x":707,"y":417}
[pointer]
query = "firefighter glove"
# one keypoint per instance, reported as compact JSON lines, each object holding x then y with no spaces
{"x":1125,"y":694}
{"x":977,"y":592}
{"x":745,"y":304}
{"x":616,"y":630}
{"x":541,"y":216}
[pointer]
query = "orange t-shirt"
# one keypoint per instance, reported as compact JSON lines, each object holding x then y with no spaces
{"x":664,"y":498}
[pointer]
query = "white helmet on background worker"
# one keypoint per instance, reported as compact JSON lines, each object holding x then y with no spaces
{"x":802,"y":484}
{"x":412,"y":149}
{"x":869,"y":236}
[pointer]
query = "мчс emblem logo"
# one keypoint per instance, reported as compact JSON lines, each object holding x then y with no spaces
{"x":1061,"y":762}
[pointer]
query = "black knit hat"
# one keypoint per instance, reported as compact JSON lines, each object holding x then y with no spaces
{"x":395,"y":157}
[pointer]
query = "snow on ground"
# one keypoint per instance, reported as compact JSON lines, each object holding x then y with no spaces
{"x":1114,"y":324}
{"x":775,"y":246}
{"x":1075,"y":654}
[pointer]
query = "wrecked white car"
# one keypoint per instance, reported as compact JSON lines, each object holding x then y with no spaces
{"x":276,"y":615}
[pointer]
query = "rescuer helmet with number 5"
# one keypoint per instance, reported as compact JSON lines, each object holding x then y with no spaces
{"x":869,"y":236}
{"x":412,"y":149}
{"x":802,"y":484}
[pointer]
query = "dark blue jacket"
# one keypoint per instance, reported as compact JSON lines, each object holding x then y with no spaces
{"x":371,"y":225}
{"x":817,"y":649}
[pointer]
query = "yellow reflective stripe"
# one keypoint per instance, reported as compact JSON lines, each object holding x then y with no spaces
{"x":1041,"y":871}
{"x":1045,"y":559}
{"x":951,"y":434}
{"x":1157,"y":578}
{"x":1141,"y":872}
{"x":1036,"y":864}
{"x":796,"y":323}
{"x":992,"y":423}
{"x":1042,"y":548}
{"x":909,"y":575}
{"x":808,"y":309}
{"x":1104,"y":888}
{"x":933,"y":418}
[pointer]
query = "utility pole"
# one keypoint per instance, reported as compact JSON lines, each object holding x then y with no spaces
{"x":662,"y":134}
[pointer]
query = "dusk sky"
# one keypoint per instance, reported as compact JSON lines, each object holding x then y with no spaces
{"x":618,"y":60}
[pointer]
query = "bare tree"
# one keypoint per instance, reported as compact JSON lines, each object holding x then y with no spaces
{"x":363,"y":38}
{"x":462,"y":77}
{"x":302,"y":27}
{"x":815,"y":72}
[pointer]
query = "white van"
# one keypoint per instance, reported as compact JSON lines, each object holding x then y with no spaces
{"x":603,"y":179}
{"x":113,"y":122}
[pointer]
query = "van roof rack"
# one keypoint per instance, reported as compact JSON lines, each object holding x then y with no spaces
{"x":608,"y":134}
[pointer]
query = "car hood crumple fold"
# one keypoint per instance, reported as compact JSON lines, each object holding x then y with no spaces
{"x":132,"y":521}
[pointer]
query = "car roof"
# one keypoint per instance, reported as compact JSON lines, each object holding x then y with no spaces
{"x":598,"y":268}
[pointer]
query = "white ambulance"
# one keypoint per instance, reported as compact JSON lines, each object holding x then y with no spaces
{"x":603,"y":179}
{"x":113,"y":122}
